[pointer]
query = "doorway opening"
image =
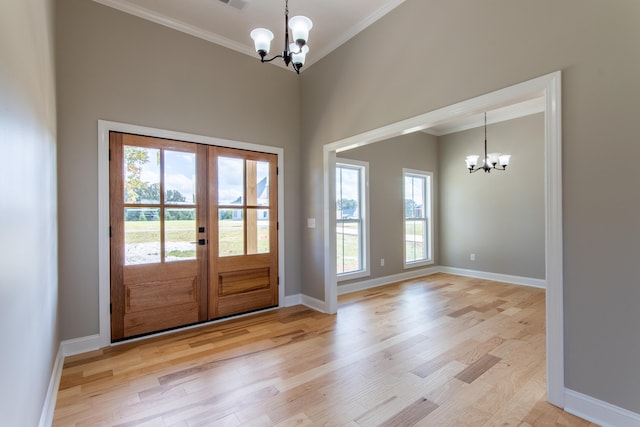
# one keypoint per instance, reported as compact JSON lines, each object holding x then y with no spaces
{"x":547,"y":87}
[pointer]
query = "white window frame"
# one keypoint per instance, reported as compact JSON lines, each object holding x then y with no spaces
{"x":364,"y":218}
{"x":428,"y":217}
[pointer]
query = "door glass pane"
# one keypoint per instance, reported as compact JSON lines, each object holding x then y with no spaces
{"x":258,"y":183}
{"x":230,"y":232}
{"x":263,"y":231}
{"x":141,"y":235}
{"x":257,"y":231}
{"x":141,"y":175}
{"x":179,"y":234}
{"x":230,"y":181}
{"x":179,"y":178}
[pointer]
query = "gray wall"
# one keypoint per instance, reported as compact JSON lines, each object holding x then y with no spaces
{"x":498,"y":216}
{"x":461,"y":49}
{"x":28,"y":239}
{"x":117,"y":67}
{"x":386,"y":159}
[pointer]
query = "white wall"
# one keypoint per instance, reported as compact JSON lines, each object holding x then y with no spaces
{"x":28,"y":237}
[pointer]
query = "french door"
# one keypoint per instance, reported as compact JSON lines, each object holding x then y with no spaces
{"x":243,"y":208}
{"x":193,"y":233}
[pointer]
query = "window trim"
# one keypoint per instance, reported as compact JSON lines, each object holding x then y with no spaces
{"x":428,"y":197}
{"x":365,"y":271}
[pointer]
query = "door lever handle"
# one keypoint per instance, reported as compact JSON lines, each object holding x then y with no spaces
{"x":200,"y":242}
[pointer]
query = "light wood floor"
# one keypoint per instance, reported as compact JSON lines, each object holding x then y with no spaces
{"x":441,"y":351}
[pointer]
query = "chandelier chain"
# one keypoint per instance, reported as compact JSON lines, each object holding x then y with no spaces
{"x":485,"y":137}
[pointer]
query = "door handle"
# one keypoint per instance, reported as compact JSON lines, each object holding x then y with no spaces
{"x":200,"y":242}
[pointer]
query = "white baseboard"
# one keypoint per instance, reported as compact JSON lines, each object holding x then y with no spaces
{"x":314,"y":303}
{"x":291,"y":300}
{"x":49,"y":405}
{"x":386,"y":280}
{"x":301,"y":299}
{"x":66,"y":348}
{"x":80,"y":345}
{"x":518,"y":280}
{"x":599,"y":412}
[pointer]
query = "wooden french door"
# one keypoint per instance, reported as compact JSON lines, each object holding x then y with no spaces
{"x":193,"y":233}
{"x":243,"y":210}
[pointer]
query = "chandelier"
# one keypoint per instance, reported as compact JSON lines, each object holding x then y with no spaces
{"x":294,"y":53}
{"x":490,"y":160}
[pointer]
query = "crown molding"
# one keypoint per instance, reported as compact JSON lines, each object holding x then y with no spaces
{"x":158,"y":18}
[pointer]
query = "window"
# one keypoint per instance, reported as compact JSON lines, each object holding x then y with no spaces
{"x":352,"y":246}
{"x":418,"y":223}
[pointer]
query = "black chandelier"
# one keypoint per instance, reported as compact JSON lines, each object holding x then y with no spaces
{"x":490,"y":160}
{"x":294,"y":53}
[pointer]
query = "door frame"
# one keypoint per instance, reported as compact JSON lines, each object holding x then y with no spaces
{"x":547,"y":87}
{"x":104,"y":277}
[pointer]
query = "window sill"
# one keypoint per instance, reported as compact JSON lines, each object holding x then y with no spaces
{"x":418,"y":264}
{"x":354,"y":275}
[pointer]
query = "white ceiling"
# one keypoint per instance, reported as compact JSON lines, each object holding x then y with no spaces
{"x":229,"y":22}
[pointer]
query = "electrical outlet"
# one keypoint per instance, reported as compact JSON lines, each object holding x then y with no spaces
{"x":381,"y":262}
{"x":472,"y":257}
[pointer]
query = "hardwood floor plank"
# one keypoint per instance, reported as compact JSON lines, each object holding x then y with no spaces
{"x":436,"y":351}
{"x":481,"y":350}
{"x":479,"y":367}
{"x":411,"y":414}
{"x":434,"y":364}
{"x":262,"y":421}
{"x":442,"y":386}
{"x":369,"y":412}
